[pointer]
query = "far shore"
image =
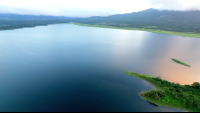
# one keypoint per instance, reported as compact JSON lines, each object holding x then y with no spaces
{"x":183,"y":34}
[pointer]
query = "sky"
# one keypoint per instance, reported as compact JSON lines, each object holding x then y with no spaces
{"x":88,"y":8}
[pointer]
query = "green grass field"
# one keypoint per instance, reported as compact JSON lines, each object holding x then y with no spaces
{"x":149,"y":29}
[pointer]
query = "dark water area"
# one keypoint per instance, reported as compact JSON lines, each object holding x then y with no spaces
{"x":74,"y":68}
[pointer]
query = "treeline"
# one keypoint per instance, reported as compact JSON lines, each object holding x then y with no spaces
{"x":187,"y":96}
{"x":179,"y":21}
{"x":8,"y":24}
{"x":30,"y":17}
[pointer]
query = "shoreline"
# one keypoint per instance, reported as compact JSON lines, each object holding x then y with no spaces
{"x":183,"y":34}
{"x":165,"y":105}
{"x":171,"y":102}
{"x":31,"y":26}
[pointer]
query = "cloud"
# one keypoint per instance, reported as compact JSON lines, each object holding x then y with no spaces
{"x":87,"y":8}
{"x":73,"y":8}
{"x":182,"y":5}
{"x":58,"y":11}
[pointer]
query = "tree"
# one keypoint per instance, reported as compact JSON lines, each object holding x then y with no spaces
{"x":196,"y":85}
{"x":183,"y":101}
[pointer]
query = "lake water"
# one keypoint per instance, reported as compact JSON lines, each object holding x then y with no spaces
{"x":67,"y":67}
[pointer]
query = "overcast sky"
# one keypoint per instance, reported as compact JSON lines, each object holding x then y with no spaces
{"x":86,"y":8}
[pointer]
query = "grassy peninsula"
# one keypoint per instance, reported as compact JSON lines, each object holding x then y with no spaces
{"x":169,"y":94}
{"x":149,"y":29}
{"x":179,"y":62}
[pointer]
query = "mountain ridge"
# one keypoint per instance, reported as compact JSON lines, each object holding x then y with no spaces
{"x":179,"y":21}
{"x":148,"y":20}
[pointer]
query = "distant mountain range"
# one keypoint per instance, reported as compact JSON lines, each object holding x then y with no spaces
{"x":180,"y":21}
{"x":29,"y":17}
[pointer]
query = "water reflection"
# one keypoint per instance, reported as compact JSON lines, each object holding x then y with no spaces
{"x":74,"y":68}
{"x":172,"y":71}
{"x":152,"y":53}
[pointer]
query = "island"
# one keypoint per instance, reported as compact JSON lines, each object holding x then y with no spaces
{"x":179,"y":62}
{"x":169,"y":94}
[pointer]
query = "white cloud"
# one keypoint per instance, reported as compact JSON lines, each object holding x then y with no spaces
{"x":182,"y":5}
{"x":85,"y":8}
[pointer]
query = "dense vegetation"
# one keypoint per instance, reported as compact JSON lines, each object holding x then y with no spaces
{"x":169,"y":94}
{"x":179,"y":21}
{"x":14,"y":21}
{"x":7,"y":25}
{"x":30,"y":17}
{"x":184,"y":34}
{"x":183,"y":23}
{"x":177,"y":61}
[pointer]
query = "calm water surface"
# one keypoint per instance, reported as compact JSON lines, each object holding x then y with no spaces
{"x":73,"y":68}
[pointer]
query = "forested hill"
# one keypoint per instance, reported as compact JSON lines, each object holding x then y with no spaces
{"x":15,"y":21}
{"x":29,"y":17}
{"x":148,"y":20}
{"x":179,"y":21}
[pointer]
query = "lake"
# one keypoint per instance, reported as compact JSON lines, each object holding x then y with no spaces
{"x":67,"y":67}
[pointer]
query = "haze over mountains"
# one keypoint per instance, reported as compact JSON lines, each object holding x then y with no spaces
{"x":29,"y":17}
{"x":181,"y":21}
